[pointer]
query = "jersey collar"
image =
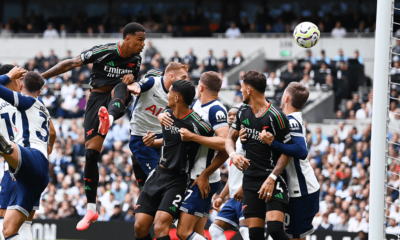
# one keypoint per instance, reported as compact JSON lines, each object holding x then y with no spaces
{"x":118,"y":49}
{"x":205,"y":105}
{"x":187,"y":115}
{"x":163,"y":86}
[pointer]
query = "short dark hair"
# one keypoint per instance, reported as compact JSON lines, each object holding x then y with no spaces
{"x":33,"y":82}
{"x":255,"y":79}
{"x":186,"y":89}
{"x":132,"y":28}
{"x":212,"y":80}
{"x":299,"y":94}
{"x":4,"y":69}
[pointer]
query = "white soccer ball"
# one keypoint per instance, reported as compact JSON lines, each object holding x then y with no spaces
{"x":306,"y":34}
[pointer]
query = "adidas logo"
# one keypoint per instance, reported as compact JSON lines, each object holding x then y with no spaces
{"x":279,"y":195}
{"x":88,"y":188}
{"x":246,"y":121}
{"x":110,"y":63}
{"x":117,"y":103}
{"x":173,"y":208}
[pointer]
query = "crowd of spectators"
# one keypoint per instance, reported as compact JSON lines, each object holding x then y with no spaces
{"x":198,"y":22}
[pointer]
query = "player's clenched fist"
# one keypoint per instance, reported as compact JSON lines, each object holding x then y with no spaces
{"x":16,"y":73}
{"x":128,"y":78}
{"x":165,"y":119}
{"x":217,"y":204}
{"x":266,"y":137}
{"x":134,"y":89}
{"x":243,"y":135}
{"x":186,"y":135}
{"x":240,"y":162}
{"x":149,"y":139}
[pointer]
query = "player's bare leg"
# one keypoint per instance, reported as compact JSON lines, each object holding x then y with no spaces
{"x":200,"y":225}
{"x":162,"y":225}
{"x":186,"y":225}
{"x":12,"y":222}
{"x":143,"y":223}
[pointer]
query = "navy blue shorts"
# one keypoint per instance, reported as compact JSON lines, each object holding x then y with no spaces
{"x":32,"y":175}
{"x":194,"y":204}
{"x":146,"y":156}
{"x":6,"y":187}
{"x":231,"y":213}
{"x":301,"y":212}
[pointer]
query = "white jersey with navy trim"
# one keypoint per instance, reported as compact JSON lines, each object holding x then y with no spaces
{"x":10,"y":128}
{"x":152,"y":101}
{"x":235,"y":175}
{"x":302,"y":180}
{"x":215,"y":114}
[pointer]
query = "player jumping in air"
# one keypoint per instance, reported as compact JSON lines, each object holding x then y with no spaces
{"x":115,"y":65}
{"x":165,"y":187}
{"x":303,"y":185}
{"x":151,"y":100}
{"x":264,"y":186}
{"x":28,"y":158}
{"x":231,"y":215}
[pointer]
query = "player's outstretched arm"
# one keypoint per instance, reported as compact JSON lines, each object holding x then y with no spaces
{"x":150,"y":140}
{"x":240,"y":162}
{"x":216,"y":143}
{"x":63,"y":67}
{"x":217,"y":202}
{"x":297,"y":150}
{"x":21,"y":102}
{"x":53,"y":136}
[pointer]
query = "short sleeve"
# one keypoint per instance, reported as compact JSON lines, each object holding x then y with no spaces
{"x":296,"y":129}
{"x":217,"y":117}
{"x":97,"y":53}
{"x":146,"y":84}
{"x":205,"y":129}
{"x":236,"y":122}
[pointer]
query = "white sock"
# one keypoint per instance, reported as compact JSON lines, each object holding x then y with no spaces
{"x":25,"y":231}
{"x":196,"y":236}
{"x":1,"y":231}
{"x":216,"y":232}
{"x":15,"y":237}
{"x":244,"y":231}
{"x":91,"y":206}
{"x":111,"y":119}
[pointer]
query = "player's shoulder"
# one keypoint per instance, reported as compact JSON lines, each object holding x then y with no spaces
{"x":200,"y":120}
{"x":295,"y":122}
{"x":217,"y":113}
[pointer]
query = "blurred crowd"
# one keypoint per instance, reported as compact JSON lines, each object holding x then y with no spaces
{"x":196,"y":20}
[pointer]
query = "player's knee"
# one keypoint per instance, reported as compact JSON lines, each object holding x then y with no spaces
{"x":92,"y":156}
{"x":140,"y":229}
{"x":161,"y":227}
{"x":9,"y":230}
{"x":275,"y":229}
{"x":215,"y":231}
{"x":182,"y":233}
{"x":257,"y":233}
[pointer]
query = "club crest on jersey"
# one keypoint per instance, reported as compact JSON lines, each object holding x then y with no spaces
{"x":221,"y":117}
{"x":131,"y":65}
{"x":88,"y":54}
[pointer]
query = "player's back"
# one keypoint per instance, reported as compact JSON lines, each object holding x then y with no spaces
{"x":10,"y":121}
{"x":148,"y":105}
{"x":35,"y":120}
{"x":213,"y":113}
{"x":302,"y":180}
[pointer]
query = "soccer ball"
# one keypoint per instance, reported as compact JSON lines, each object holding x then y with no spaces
{"x":306,"y":34}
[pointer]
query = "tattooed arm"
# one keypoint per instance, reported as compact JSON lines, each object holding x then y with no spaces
{"x":240,"y":162}
{"x":63,"y":67}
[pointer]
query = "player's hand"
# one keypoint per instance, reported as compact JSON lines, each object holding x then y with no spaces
{"x":128,"y":78}
{"x":186,"y":135}
{"x":204,"y":186}
{"x":267,"y":189}
{"x":134,"y":89}
{"x":266,"y":137}
{"x":16,"y":73}
{"x":240,"y":162}
{"x":238,"y":196}
{"x":165,"y":119}
{"x":243,"y":135}
{"x":217,"y":203}
{"x":148,"y":140}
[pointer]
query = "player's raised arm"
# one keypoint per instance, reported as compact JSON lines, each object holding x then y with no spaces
{"x":52,"y":138}
{"x":62,"y":67}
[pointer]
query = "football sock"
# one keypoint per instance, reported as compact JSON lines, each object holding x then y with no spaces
{"x":216,"y":232}
{"x":91,"y":206}
{"x":1,"y":227}
{"x":257,"y":233}
{"x":13,"y":237}
{"x":117,"y":104}
{"x":140,"y":175}
{"x":148,"y":237}
{"x":164,"y":238}
{"x":25,"y":231}
{"x":91,"y":173}
{"x":275,"y":230}
{"x":244,"y":231}
{"x":195,"y":236}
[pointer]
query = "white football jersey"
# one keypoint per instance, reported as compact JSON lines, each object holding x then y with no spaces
{"x":235,"y":178}
{"x":10,"y":123}
{"x":302,"y":180}
{"x":152,"y":101}
{"x":215,"y":114}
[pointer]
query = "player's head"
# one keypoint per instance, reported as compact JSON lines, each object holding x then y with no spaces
{"x":253,"y":85}
{"x":175,"y":71}
{"x":134,"y":34}
{"x":32,"y":84}
{"x":181,"y":92}
{"x":210,"y":83}
{"x":12,"y":85}
{"x":295,"y":95}
{"x":231,"y":115}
